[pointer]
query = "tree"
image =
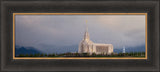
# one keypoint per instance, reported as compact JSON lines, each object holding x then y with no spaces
{"x":93,"y":54}
{"x":36,"y":55}
{"x":126,"y":54}
{"x":120,"y":54}
{"x":76,"y":54}
{"x":49,"y":55}
{"x":27,"y":55}
{"x":31,"y":55}
{"x":41,"y":55}
{"x":21,"y":55}
{"x":45,"y":55}
{"x":53,"y":55}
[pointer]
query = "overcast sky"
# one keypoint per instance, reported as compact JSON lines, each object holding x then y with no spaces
{"x":68,"y":30}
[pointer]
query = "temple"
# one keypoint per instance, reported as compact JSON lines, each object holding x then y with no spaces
{"x":87,"y":46}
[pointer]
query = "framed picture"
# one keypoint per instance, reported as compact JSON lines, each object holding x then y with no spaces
{"x":80,"y":35}
{"x":62,"y":33}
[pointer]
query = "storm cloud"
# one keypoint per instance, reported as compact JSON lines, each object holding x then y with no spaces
{"x":68,"y":30}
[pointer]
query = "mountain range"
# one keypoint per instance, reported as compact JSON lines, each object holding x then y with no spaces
{"x":26,"y":50}
{"x":130,"y":49}
{"x":64,"y":49}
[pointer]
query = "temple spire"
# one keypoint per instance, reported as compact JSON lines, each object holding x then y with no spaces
{"x":86,"y":35}
{"x":86,"y":26}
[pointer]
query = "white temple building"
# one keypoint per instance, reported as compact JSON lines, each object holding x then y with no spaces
{"x":87,"y":46}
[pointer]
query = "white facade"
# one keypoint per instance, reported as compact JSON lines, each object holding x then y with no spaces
{"x":87,"y":46}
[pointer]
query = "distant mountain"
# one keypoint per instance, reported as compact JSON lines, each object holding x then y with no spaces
{"x":59,"y":49}
{"x":131,"y":49}
{"x":74,"y":48}
{"x":63,"y":49}
{"x":26,"y":50}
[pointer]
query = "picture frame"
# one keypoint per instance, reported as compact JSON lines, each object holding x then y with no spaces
{"x":78,"y":14}
{"x":151,"y":7}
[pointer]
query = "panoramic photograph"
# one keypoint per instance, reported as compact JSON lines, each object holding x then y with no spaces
{"x":79,"y":36}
